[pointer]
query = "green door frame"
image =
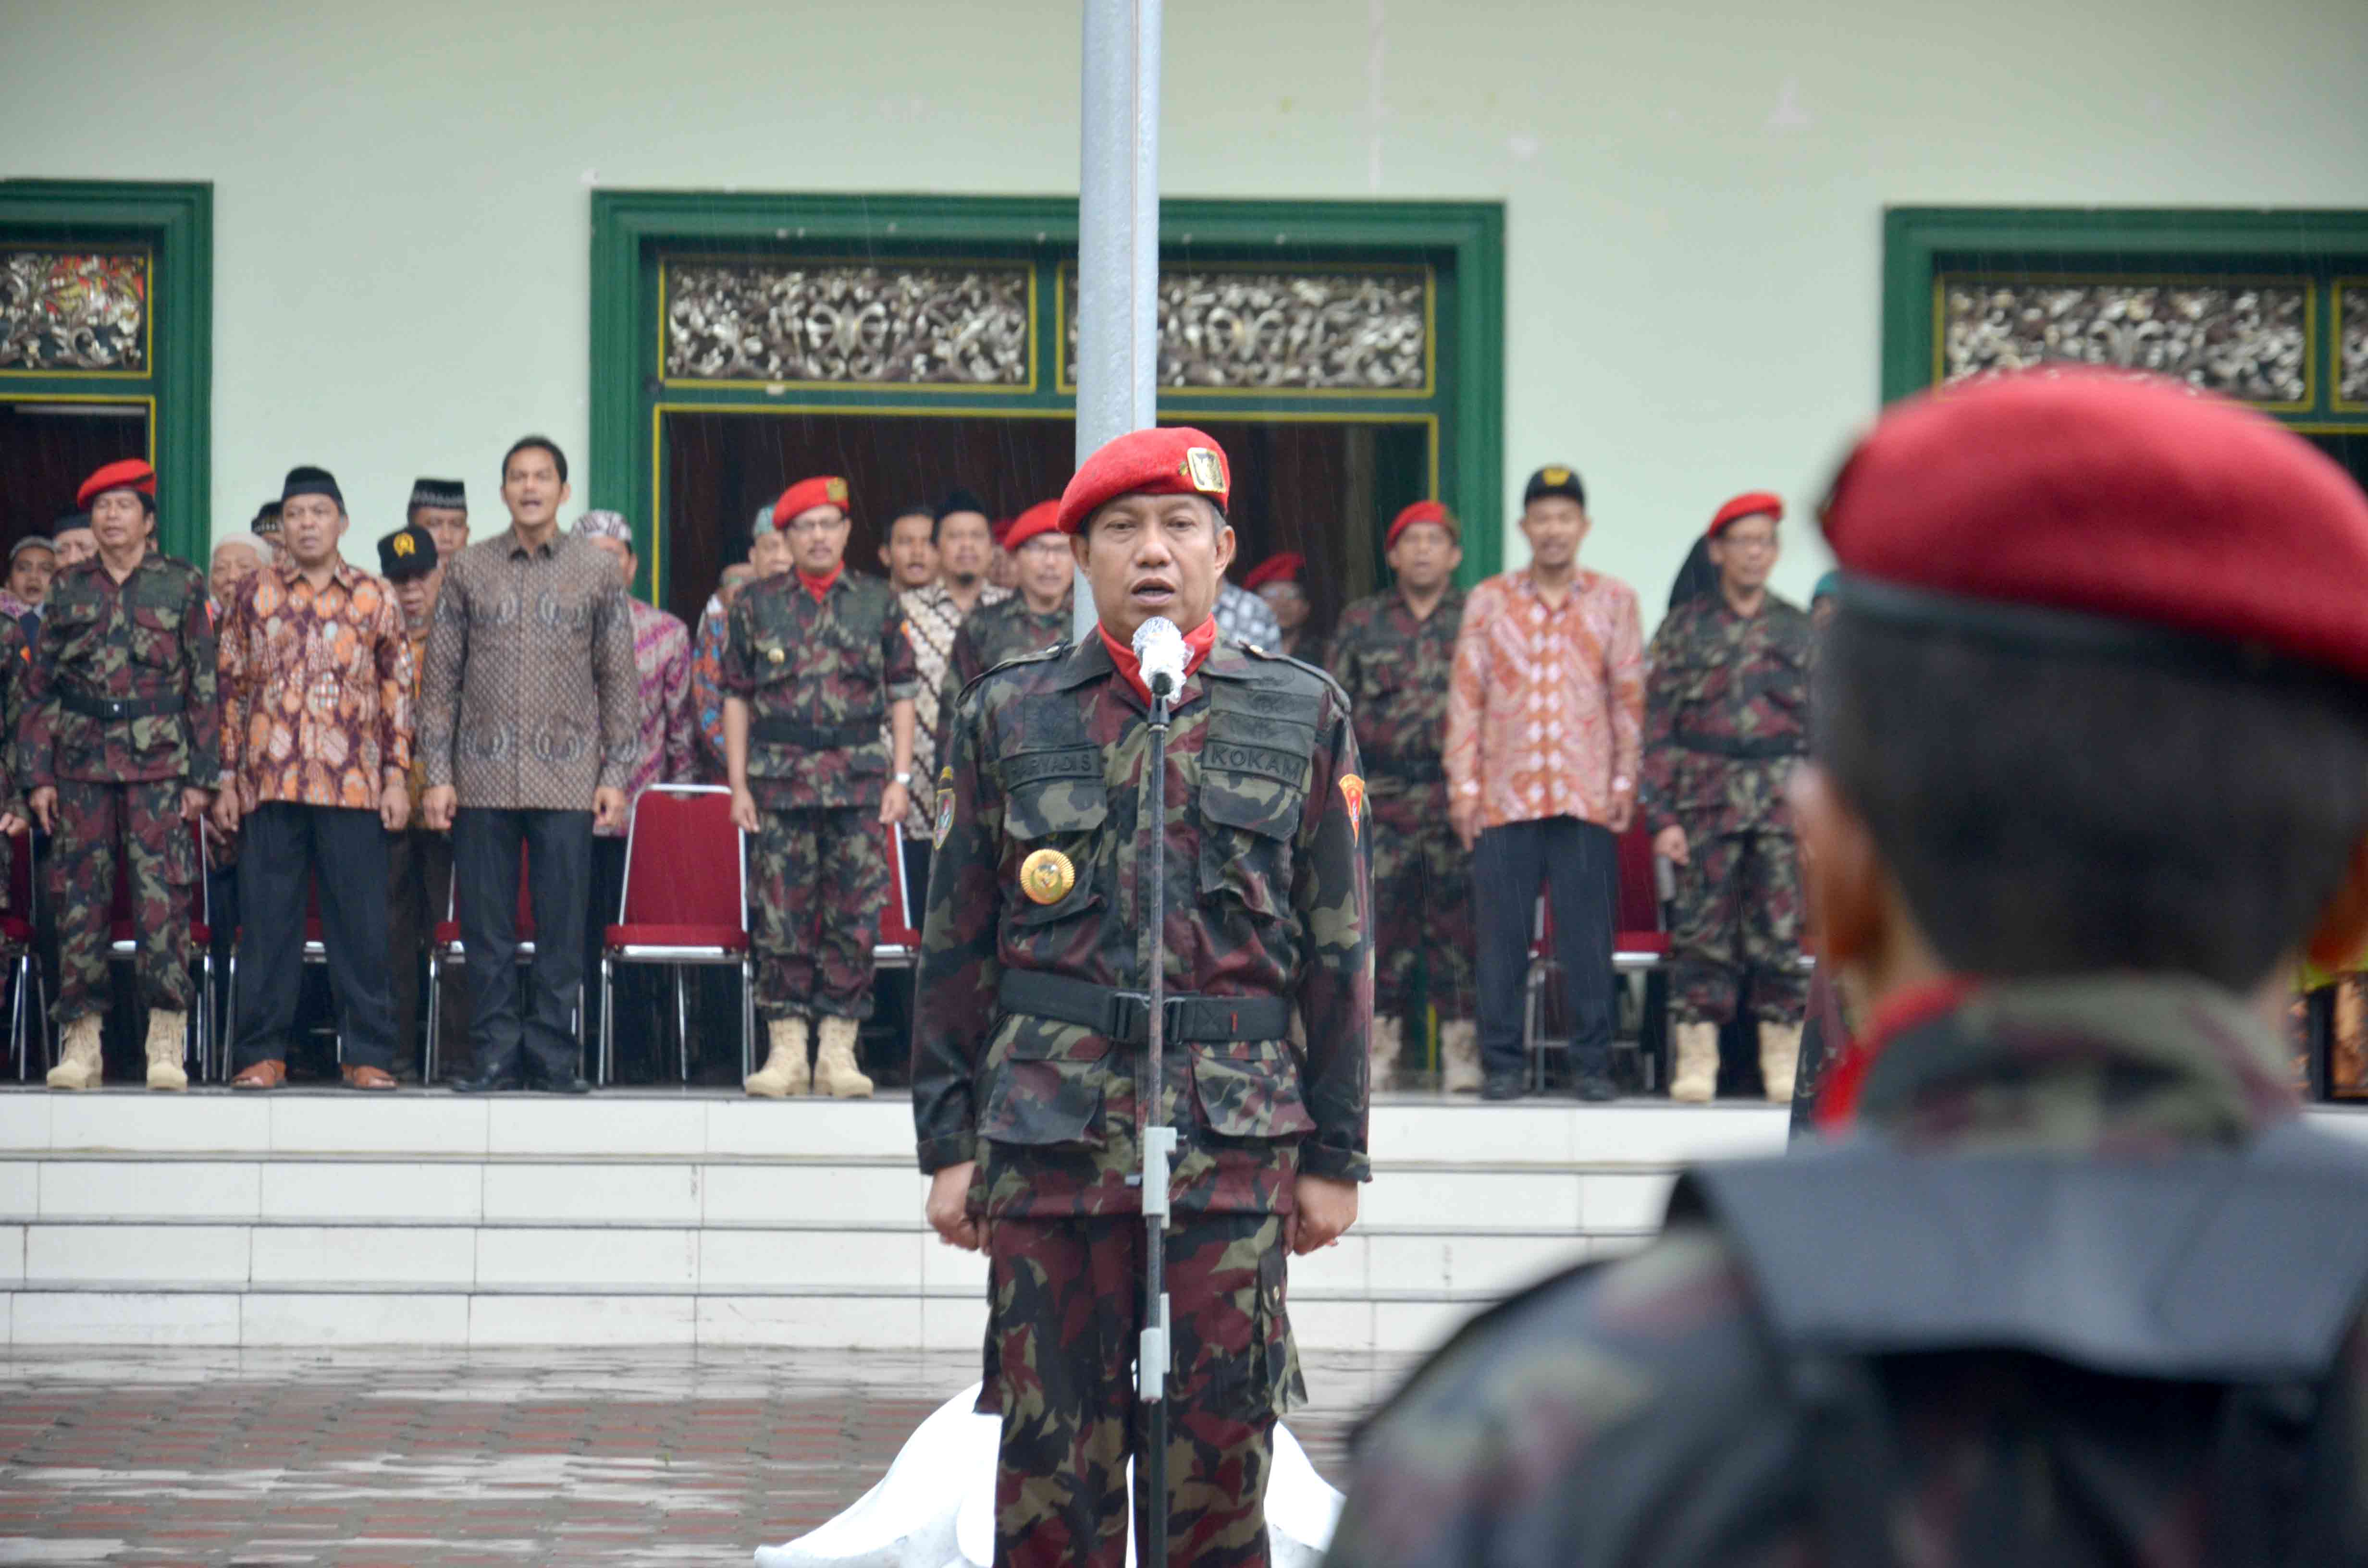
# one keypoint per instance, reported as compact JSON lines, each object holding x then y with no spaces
{"x":2327,"y":246}
{"x":176,"y":220}
{"x":630,"y":228}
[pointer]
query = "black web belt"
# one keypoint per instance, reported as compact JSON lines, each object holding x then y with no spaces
{"x":92,"y":705}
{"x":1762,"y":748}
{"x":1123,"y":1017}
{"x":812,"y":737}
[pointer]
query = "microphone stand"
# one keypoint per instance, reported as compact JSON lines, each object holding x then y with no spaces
{"x":1158,"y":1148}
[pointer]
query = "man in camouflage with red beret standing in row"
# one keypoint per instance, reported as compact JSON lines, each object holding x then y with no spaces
{"x":1727,"y":718}
{"x":814,"y":661}
{"x":120,"y":748}
{"x":1028,"y":1049}
{"x":1037,"y":615}
{"x":1395,"y":654}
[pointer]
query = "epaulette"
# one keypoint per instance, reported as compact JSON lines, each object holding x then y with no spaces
{"x":1318,"y":671}
{"x":1013,"y":663}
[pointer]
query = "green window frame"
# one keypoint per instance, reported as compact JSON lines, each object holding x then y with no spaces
{"x":174,"y":223}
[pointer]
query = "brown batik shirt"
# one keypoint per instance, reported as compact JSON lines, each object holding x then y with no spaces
{"x":531,"y":698}
{"x":931,"y":619}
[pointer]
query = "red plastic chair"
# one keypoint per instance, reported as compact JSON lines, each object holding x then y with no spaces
{"x":446,"y":948}
{"x":123,"y":947}
{"x":28,"y":993}
{"x":1640,"y":942}
{"x":685,"y":902}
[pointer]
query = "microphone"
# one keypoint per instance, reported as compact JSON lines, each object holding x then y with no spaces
{"x":1159,"y":648}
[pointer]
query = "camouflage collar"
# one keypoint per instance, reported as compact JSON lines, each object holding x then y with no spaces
{"x":2113,"y":1060}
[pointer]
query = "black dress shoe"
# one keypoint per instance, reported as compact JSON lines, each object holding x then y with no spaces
{"x":1509,"y":1084}
{"x":1594,"y":1085}
{"x":565,"y":1084}
{"x":489,"y":1082}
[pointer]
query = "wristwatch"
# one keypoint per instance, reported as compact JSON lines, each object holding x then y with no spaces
{"x":904,"y":778}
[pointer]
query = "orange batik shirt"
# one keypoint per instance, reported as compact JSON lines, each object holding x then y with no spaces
{"x":316,"y":689}
{"x":1545,"y":709}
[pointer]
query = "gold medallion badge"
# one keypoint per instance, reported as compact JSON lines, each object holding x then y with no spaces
{"x":1046,"y":876}
{"x":835,"y":489}
{"x":1352,"y":790}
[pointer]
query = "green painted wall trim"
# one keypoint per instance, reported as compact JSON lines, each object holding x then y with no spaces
{"x":630,"y":226}
{"x":2323,"y":242}
{"x":177,"y":220}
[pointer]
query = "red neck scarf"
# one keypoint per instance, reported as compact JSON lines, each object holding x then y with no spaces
{"x":1911,"y":1009}
{"x":1197,"y":643}
{"x":820,"y":586}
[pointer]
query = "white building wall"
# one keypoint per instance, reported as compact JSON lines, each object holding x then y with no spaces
{"x":1693,"y":190}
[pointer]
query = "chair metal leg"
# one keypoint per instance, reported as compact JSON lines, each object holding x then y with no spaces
{"x":435,"y":1015}
{"x":18,"y":1037}
{"x":200,"y":1030}
{"x":608,"y":1021}
{"x":681,"y":1025}
{"x":747,"y":1016}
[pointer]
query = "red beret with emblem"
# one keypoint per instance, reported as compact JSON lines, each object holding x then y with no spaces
{"x":1750,"y":503}
{"x":1422,"y":512}
{"x":1177,"y":461}
{"x":824,"y":490}
{"x":1044,"y":518}
{"x":2132,"y":499}
{"x":1284,"y":568}
{"x":131,"y":473}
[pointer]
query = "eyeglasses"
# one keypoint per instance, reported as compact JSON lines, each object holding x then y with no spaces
{"x":815,"y":525}
{"x":1747,"y":541}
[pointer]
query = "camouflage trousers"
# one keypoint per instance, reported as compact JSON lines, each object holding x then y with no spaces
{"x":819,"y":878}
{"x":143,"y":822}
{"x":1738,"y":917}
{"x":1422,"y":903}
{"x":1067,"y":1297}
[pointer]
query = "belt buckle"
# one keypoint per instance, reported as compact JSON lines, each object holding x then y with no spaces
{"x":115,"y":706}
{"x":1126,"y":1009}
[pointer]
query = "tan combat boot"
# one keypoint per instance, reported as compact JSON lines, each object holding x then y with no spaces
{"x":1459,"y":1057}
{"x":1780,"y":1058}
{"x":1693,"y":1077}
{"x":1385,"y":1045}
{"x":836,"y":1074}
{"x":79,"y":1065}
{"x":784,"y":1072}
{"x":165,"y":1031}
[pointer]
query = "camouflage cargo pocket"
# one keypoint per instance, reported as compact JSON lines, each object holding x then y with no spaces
{"x":155,"y":636}
{"x":1247,"y":823}
{"x":1249,"y":1089}
{"x":1044,"y":1086}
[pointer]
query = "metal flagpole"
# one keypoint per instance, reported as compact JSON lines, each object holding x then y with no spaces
{"x":1118,"y":234}
{"x":1118,"y":277}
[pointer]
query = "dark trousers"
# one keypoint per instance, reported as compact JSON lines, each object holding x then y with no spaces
{"x":558,"y":844}
{"x":1578,"y":863}
{"x":342,"y":851}
{"x":419,"y":889}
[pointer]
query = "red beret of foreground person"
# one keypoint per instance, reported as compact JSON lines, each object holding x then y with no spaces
{"x":1044,"y":518}
{"x":1287,"y":567}
{"x":1750,"y":503}
{"x":1178,"y":461}
{"x":2109,"y":495}
{"x":131,"y":473}
{"x":824,"y":490}
{"x":1422,"y":512}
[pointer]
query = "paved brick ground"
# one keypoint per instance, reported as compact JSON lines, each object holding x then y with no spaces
{"x":427,"y":1460}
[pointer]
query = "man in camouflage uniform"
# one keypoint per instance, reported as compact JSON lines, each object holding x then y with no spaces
{"x":1027,"y":1059}
{"x":1037,"y":616}
{"x":2037,"y":1298}
{"x":120,"y":745}
{"x":1727,"y":719}
{"x":812,"y":662}
{"x":1395,"y":654}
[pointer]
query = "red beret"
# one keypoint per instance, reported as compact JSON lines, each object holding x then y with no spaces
{"x":1750,"y":503}
{"x":1043,"y":518}
{"x":1283,"y":568}
{"x":131,"y":473}
{"x":2110,"y":495}
{"x":824,"y":490}
{"x":1178,"y":461}
{"x":1422,"y":512}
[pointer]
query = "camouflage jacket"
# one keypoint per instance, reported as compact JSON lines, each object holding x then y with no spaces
{"x":1596,"y":1418}
{"x":818,"y":679}
{"x":1727,"y":715}
{"x":148,"y":639}
{"x":1266,"y":897}
{"x":991,"y":634}
{"x":1396,"y":671}
{"x":15,"y":667}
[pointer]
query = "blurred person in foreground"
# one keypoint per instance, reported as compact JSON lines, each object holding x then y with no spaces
{"x":1544,"y":713}
{"x":1727,"y":718}
{"x":120,"y":747}
{"x":315,"y":682}
{"x":1029,"y":1099}
{"x":2067,"y":1281}
{"x":1394,"y":655}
